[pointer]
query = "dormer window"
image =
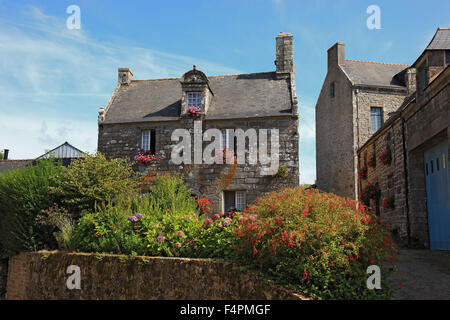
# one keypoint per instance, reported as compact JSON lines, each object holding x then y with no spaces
{"x":194,"y":99}
{"x":196,"y":93}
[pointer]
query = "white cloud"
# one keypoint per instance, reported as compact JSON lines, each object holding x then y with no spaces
{"x":55,"y":79}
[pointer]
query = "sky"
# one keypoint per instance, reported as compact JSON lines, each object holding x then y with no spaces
{"x":56,"y":78}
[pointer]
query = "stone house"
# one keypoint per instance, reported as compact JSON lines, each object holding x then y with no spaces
{"x":355,"y":99}
{"x":396,"y":120}
{"x":413,"y":190}
{"x":145,"y":114}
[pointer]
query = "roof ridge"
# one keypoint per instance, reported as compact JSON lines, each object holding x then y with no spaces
{"x":223,"y":75}
{"x":387,"y":63}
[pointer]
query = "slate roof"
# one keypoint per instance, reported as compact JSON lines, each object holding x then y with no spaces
{"x":441,"y":40}
{"x":235,"y":96}
{"x":374,"y":73}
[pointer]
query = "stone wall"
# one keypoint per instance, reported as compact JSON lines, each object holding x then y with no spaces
{"x":42,"y":275}
{"x":426,"y":124}
{"x":3,"y":277}
{"x":124,"y":140}
{"x":390,"y":179}
{"x":334,"y":136}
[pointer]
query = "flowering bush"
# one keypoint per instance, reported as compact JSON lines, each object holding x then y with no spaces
{"x":389,"y":203}
{"x":145,"y":158}
{"x":204,"y":205}
{"x":372,"y":162}
{"x":161,"y":222}
{"x":362,"y":173}
{"x":385,"y":157}
{"x":318,"y":244}
{"x":282,"y":172}
{"x":193,"y":111}
{"x":369,"y":192}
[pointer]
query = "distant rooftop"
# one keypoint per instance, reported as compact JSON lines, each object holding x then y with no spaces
{"x":374,"y":73}
{"x":441,"y":40}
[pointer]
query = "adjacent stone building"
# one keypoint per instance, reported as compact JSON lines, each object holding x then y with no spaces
{"x":414,"y":188}
{"x":402,"y":169}
{"x":356,"y":97}
{"x":144,"y":114}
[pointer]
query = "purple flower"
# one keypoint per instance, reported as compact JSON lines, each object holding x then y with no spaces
{"x":133,"y":218}
{"x":138,"y":215}
{"x":160,"y":238}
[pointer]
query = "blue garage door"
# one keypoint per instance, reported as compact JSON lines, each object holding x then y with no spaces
{"x":438,"y":195}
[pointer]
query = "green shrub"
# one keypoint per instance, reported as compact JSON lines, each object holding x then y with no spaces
{"x":147,"y":224}
{"x":62,"y":221}
{"x":24,"y":193}
{"x":93,"y":180}
{"x":316,"y":243}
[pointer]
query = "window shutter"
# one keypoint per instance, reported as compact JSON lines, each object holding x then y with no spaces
{"x":152,"y":142}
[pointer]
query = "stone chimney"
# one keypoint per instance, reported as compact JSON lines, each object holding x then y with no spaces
{"x":285,"y":53}
{"x":336,"y":54}
{"x":410,"y":80}
{"x":125,"y":76}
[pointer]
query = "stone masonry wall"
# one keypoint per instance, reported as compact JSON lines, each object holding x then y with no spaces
{"x":426,"y":125}
{"x":390,"y":179}
{"x":42,"y":276}
{"x":124,"y":140}
{"x":3,"y":277}
{"x":334,"y":136}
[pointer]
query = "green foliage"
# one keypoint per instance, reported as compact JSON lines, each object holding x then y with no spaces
{"x":24,"y":193}
{"x":319,"y":244}
{"x":60,"y":219}
{"x":147,"y":224}
{"x":93,"y":180}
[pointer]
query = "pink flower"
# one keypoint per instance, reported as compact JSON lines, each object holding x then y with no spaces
{"x":207,"y":222}
{"x":180,"y":233}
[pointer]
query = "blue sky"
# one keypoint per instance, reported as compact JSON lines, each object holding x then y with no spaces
{"x":55,"y":79}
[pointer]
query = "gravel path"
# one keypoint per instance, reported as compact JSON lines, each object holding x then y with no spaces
{"x":422,"y":274}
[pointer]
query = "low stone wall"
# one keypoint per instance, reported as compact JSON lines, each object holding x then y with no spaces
{"x":42,"y":275}
{"x":3,"y":277}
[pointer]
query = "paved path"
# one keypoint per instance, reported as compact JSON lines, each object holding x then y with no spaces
{"x":422,"y":274}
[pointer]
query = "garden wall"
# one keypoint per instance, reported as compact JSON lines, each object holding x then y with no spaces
{"x":42,"y":275}
{"x":3,"y":277}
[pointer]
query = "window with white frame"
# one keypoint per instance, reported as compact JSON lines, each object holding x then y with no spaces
{"x":228,"y":140}
{"x":194,"y":99}
{"x":225,"y":142}
{"x":240,"y":200}
{"x":148,"y":140}
{"x":376,"y":118}
{"x":235,"y":200}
